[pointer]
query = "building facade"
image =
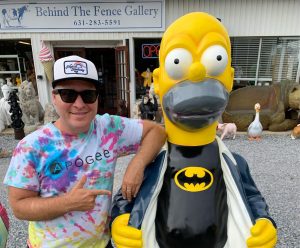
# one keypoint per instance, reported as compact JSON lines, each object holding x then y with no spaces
{"x":122,"y":38}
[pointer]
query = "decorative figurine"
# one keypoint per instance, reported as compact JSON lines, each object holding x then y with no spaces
{"x":5,"y":119}
{"x":255,"y":128}
{"x":296,"y":132}
{"x":148,"y":108}
{"x":50,"y":113}
{"x":227,"y":129}
{"x":16,"y":116}
{"x":122,"y":109}
{"x":47,"y":61}
{"x":147,"y":75}
{"x":196,"y":193}
{"x":32,"y":109}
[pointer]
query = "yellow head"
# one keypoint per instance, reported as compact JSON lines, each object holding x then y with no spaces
{"x":194,"y":77}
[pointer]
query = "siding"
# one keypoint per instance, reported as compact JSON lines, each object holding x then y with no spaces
{"x":245,"y":17}
{"x":241,"y":18}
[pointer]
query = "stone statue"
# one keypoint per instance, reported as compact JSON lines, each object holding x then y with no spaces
{"x":33,"y":112}
{"x":50,"y":113}
{"x":5,"y":119}
{"x":148,"y":108}
{"x":16,"y":115}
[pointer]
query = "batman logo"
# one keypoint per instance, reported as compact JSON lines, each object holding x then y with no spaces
{"x":194,"y":179}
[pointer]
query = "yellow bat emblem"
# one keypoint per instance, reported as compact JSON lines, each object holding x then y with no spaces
{"x":194,"y":179}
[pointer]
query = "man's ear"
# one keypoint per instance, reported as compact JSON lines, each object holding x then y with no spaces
{"x":53,"y":98}
{"x":156,"y":81}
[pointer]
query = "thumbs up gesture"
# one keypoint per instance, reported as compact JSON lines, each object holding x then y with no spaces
{"x":82,"y":199}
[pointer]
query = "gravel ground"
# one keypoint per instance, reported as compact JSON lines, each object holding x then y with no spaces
{"x":274,"y":164}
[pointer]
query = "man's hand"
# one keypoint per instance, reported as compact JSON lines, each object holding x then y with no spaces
{"x":132,"y":180}
{"x":263,"y":234}
{"x":125,"y":236}
{"x":28,"y":205}
{"x":153,"y":138}
{"x":82,"y":199}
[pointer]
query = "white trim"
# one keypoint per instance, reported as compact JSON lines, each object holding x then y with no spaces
{"x":258,"y":60}
{"x":298,"y":71}
{"x":82,"y":16}
{"x":132,"y":82}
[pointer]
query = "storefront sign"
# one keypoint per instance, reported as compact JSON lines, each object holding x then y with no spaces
{"x":150,"y":51}
{"x":108,"y":16}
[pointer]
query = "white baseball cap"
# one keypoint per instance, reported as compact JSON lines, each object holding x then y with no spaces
{"x":74,"y":67}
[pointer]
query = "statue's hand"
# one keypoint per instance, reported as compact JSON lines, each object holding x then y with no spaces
{"x":124,"y":235}
{"x":263,"y":234}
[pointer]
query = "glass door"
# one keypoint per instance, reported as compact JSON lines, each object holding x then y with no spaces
{"x":122,"y":77}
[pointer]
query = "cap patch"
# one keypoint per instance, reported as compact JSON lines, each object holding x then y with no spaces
{"x":75,"y":67}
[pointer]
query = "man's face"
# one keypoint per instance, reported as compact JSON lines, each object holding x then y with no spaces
{"x":74,"y":118}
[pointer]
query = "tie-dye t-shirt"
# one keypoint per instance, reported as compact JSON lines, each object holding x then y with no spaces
{"x":50,"y":162}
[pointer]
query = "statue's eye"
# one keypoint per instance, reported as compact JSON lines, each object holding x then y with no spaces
{"x":215,"y":60}
{"x":177,"y":63}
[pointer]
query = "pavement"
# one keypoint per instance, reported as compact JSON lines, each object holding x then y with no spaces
{"x":27,"y":130}
{"x":274,"y":164}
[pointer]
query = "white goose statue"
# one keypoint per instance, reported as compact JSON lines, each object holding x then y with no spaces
{"x":255,"y":128}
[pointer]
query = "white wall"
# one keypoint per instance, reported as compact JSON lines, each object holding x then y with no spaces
{"x":245,"y":17}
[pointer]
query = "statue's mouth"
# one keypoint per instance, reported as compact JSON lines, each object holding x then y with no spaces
{"x":191,"y":105}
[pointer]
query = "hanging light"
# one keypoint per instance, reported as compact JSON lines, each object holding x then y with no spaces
{"x":24,"y":42}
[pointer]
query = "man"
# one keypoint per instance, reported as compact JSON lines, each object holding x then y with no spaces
{"x":60,"y":176}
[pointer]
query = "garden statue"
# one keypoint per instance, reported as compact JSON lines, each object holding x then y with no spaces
{"x":147,"y":75}
{"x":275,"y":101}
{"x":32,"y":109}
{"x":5,"y":119}
{"x":2,"y":82}
{"x":294,"y":98}
{"x":296,"y":132}
{"x":227,"y":130}
{"x":148,"y":108}
{"x":196,"y":193}
{"x":122,"y":109}
{"x":255,"y":128}
{"x":50,"y":113}
{"x":16,"y":115}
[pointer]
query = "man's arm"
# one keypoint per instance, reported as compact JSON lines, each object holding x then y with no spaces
{"x":153,"y":138}
{"x":28,"y":205}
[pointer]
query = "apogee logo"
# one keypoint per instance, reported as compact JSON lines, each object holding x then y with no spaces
{"x":58,"y":166}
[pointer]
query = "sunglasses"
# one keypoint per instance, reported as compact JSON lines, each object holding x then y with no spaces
{"x":70,"y":96}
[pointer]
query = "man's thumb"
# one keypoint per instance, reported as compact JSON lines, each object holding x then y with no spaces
{"x":80,"y":183}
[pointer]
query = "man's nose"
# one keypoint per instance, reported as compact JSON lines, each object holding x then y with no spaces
{"x":79,"y":102}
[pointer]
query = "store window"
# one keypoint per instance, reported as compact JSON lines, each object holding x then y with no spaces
{"x":265,"y":60}
{"x":287,"y":66}
{"x":16,"y":63}
{"x":146,"y":60}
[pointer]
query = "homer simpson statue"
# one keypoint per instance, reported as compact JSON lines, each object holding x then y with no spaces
{"x":196,"y":193}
